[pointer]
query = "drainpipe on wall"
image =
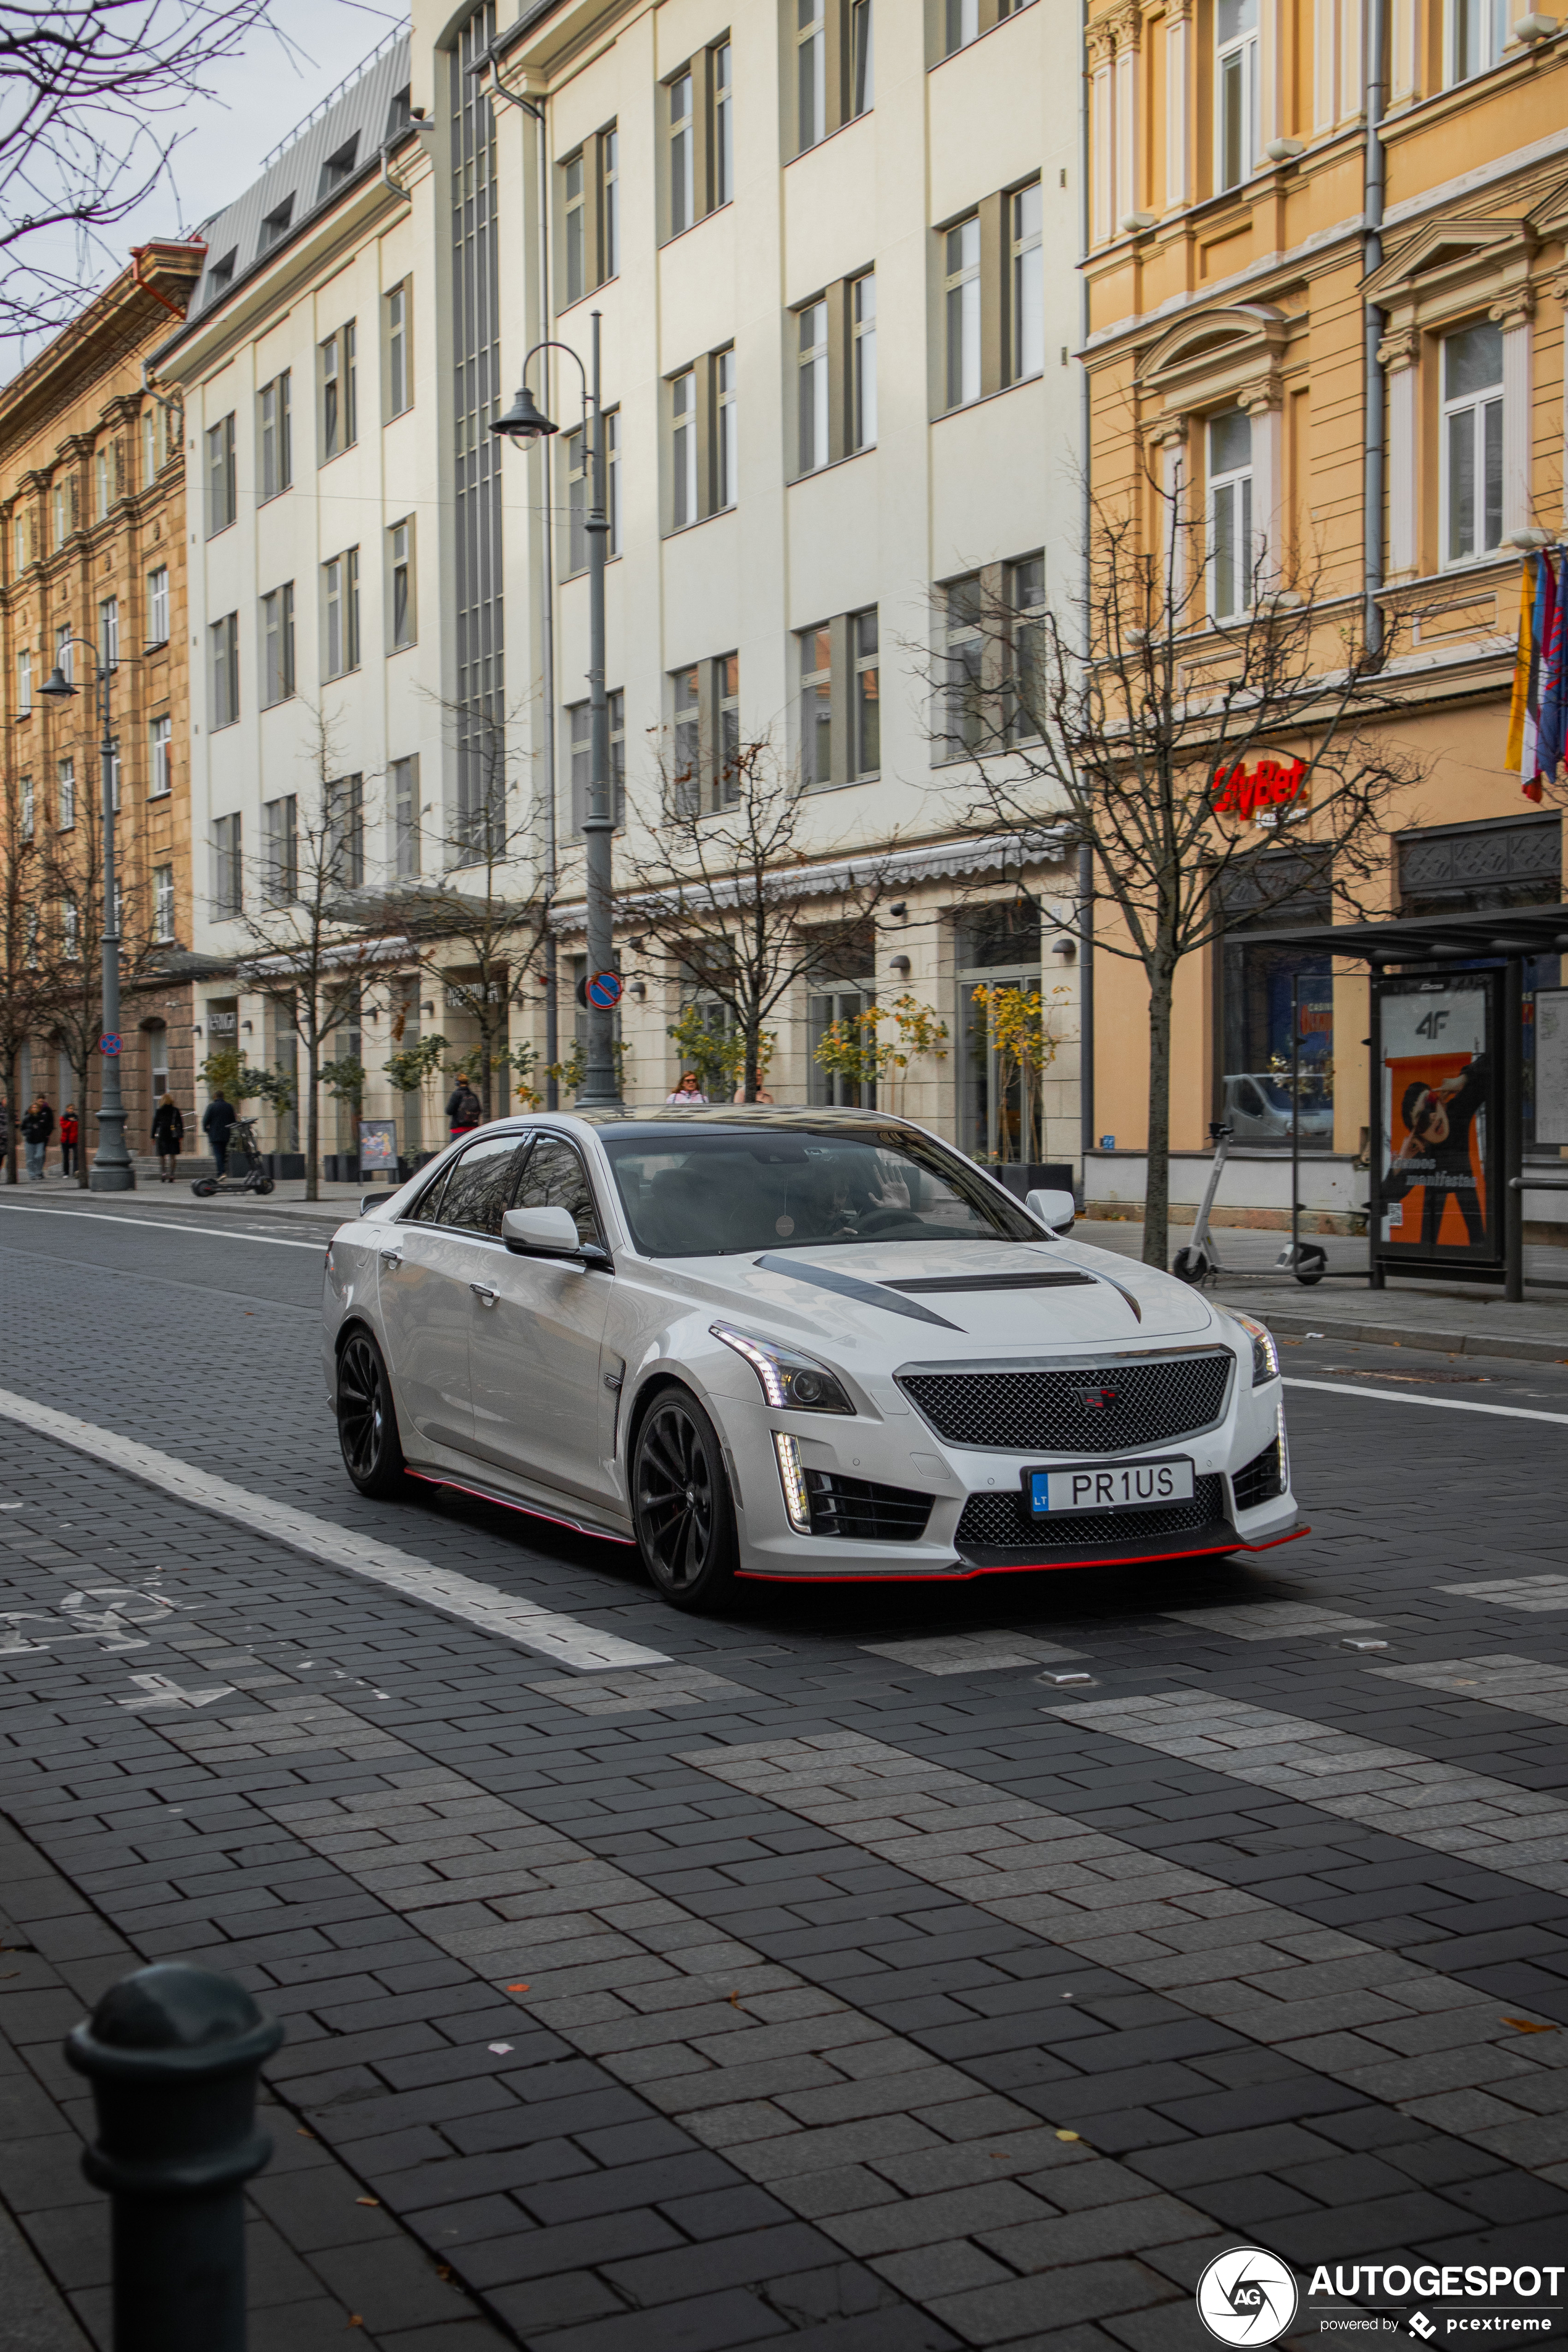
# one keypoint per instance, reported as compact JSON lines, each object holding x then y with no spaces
{"x":1374,"y":190}
{"x":1085,"y":855}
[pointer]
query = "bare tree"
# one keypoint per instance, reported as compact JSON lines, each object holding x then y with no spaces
{"x":23,"y":975}
{"x":90,"y":94}
{"x":720,"y":889}
{"x":304,"y":953}
{"x":1186,"y":752}
{"x":72,"y":880}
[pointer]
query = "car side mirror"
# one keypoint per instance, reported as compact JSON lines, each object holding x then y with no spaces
{"x":369,"y":1201}
{"x":540,"y":1233}
{"x":1057,"y":1210}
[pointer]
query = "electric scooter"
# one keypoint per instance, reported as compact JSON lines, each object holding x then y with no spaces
{"x":254,"y":1179}
{"x":1200,"y":1257}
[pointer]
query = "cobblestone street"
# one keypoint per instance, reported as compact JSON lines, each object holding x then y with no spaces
{"x":917,"y":1970}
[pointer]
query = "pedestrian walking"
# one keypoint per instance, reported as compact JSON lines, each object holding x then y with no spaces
{"x":168,"y":1135}
{"x":218,"y":1123}
{"x":70,"y":1140}
{"x":464,"y":1108}
{"x":37,"y":1125}
{"x":689,"y":1091}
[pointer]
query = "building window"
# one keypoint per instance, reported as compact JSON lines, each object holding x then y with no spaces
{"x":275,"y":435}
{"x":962,"y":286}
{"x":576,"y":227}
{"x":341,"y":583}
{"x":811,"y":72}
{"x":1476,"y":32}
{"x":1029,"y":283}
{"x":683,"y":449}
{"x":101,"y":486}
{"x":339,"y":428}
{"x":1026,"y":691}
{"x":277,"y":645}
{"x":1236,"y":91}
{"x":403,"y":611}
{"x":220,"y":476}
{"x":725,"y":445}
{"x":161,"y":749}
{"x":865,"y":735}
{"x":723,"y":124}
{"x":1230,"y":514}
{"x":24,"y":681}
{"x":280,"y":872}
{"x":114,"y":775}
{"x":962,"y":693}
{"x":224,"y":640}
{"x":1472,"y":443}
{"x":863,"y":320}
{"x":812,"y":387}
{"x":65,"y":653}
{"x":726,"y":688}
{"x":148,"y":447}
{"x":399,"y":352}
{"x":29,"y":816}
{"x":405,"y":798}
{"x":612,"y":480}
{"x":227,"y":871}
{"x":575,"y":453}
{"x":345,"y":832}
{"x":682,"y":160}
{"x":70,"y":930}
{"x":687,"y":775}
{"x":109,"y":632}
{"x":815,"y":706}
{"x":64,"y":807}
{"x":158,"y":606}
{"x":610,"y":202}
{"x":705,"y":701}
{"x":64,"y":501}
{"x":963,"y":24}
{"x":580,"y":736}
{"x":862,"y":58}
{"x":163,"y":903}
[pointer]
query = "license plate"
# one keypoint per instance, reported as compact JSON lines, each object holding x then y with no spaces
{"x":1094,"y":1487}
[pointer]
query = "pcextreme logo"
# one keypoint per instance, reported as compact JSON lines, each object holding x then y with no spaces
{"x":1247,"y":2296}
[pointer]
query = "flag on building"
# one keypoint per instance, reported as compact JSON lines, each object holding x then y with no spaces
{"x":1538,"y":710}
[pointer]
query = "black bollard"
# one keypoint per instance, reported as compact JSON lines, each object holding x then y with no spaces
{"x":172,"y":2054}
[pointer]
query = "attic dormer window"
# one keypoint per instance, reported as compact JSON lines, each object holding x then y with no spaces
{"x":221,"y":275}
{"x":340,"y":168}
{"x":399,"y":114}
{"x":275,"y":227}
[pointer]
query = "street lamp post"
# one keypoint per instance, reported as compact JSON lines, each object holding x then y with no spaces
{"x":525,"y":421}
{"x":111,"y":1168}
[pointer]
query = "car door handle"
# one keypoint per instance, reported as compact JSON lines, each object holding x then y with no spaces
{"x":391,"y":1258}
{"x":484,"y":1293}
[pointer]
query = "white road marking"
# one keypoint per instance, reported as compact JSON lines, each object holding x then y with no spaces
{"x":161,"y":1690}
{"x":163,"y":1225}
{"x":1518,"y":1591}
{"x":1437,"y":1405}
{"x":462,"y":1597}
{"x":968,"y":1654}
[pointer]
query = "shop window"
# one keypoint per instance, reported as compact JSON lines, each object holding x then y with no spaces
{"x":1256,"y":1097}
{"x":997,"y":946}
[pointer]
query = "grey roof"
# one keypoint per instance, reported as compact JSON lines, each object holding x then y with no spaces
{"x":331,"y":147}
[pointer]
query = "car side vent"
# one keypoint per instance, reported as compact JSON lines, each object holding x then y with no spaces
{"x":863,"y":1512}
{"x":1259,"y":1480}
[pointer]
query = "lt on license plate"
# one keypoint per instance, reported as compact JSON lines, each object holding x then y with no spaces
{"x":1094,"y":1487}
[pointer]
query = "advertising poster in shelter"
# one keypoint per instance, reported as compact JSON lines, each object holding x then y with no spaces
{"x":1437,"y":1175}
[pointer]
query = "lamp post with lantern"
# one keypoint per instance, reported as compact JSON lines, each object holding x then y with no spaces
{"x":112,"y":1167}
{"x":525,"y":422}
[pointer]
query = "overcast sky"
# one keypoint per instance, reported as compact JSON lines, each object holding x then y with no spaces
{"x":257,"y":98}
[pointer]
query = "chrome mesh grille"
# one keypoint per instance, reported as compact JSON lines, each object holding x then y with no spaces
{"x":1001,"y":1523}
{"x":1052,"y":1411}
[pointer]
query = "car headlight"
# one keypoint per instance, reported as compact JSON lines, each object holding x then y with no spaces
{"x":790,"y":1381}
{"x":1265,"y":1354}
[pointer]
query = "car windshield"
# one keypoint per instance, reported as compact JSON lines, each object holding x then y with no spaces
{"x":699,"y":1195}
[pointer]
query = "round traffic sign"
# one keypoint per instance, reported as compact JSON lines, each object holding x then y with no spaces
{"x":108,"y":1045}
{"x":604,"y":990}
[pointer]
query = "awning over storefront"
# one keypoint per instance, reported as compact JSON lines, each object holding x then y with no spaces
{"x":1463,"y":937}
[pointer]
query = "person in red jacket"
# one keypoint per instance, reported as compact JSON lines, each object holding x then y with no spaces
{"x":69,"y":1135}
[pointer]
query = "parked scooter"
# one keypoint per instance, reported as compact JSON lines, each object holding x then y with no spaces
{"x":1200,"y":1257}
{"x":256,"y":1178}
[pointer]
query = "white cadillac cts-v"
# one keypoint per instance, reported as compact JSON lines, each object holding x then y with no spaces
{"x":795,"y":1344}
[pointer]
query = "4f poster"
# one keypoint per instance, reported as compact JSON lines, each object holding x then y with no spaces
{"x":1437,"y":1189}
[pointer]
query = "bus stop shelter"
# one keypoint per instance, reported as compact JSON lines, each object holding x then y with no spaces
{"x":1463,"y":1059}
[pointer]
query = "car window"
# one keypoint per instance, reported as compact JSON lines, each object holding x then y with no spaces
{"x":555,"y":1178}
{"x":480,"y":1189}
{"x":426,"y":1209}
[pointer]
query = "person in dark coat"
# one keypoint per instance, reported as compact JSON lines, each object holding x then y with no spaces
{"x":37,"y":1125}
{"x":70,"y":1137}
{"x":168,"y":1135}
{"x":218,"y":1123}
{"x":464,"y":1109}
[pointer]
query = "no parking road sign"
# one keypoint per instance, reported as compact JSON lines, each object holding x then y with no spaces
{"x":604,"y":990}
{"x":108,"y":1045}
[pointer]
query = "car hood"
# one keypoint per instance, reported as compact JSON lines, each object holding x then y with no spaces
{"x":844,"y":1295}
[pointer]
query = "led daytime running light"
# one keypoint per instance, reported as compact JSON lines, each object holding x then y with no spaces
{"x":792,"y":1479}
{"x":760,"y":1362}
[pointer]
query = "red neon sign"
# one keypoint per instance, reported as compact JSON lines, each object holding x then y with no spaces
{"x":1253,"y":793}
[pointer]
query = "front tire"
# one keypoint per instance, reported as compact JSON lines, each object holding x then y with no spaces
{"x":681,"y":1505}
{"x":1192,"y":1264}
{"x":205,"y":1187}
{"x":367,"y":1418}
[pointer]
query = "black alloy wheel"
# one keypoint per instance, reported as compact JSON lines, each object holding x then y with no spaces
{"x":685,"y":1520}
{"x":367,"y":1418}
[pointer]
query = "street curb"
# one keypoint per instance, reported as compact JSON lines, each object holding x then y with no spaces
{"x":1403,"y":1335}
